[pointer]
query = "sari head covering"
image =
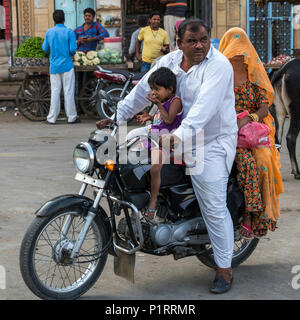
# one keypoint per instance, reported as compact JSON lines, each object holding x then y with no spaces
{"x":235,"y":42}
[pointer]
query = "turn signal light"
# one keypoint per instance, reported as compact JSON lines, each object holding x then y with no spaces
{"x":109,"y":164}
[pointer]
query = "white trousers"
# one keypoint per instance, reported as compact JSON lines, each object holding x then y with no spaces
{"x":67,"y":81}
{"x":211,"y":196}
{"x":138,"y":132}
{"x":169,"y":26}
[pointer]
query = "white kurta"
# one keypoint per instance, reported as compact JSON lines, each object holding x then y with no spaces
{"x":207,"y":96}
{"x":207,"y":93}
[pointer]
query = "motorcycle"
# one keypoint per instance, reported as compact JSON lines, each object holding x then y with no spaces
{"x":65,"y":249}
{"x":117,"y":83}
{"x":123,"y":81}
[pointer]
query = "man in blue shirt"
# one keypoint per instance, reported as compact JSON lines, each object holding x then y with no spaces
{"x":61,"y":42}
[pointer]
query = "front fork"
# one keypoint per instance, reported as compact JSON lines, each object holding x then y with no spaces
{"x":88,"y":220}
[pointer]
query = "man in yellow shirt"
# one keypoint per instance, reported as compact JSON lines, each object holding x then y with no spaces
{"x":155,"y":42}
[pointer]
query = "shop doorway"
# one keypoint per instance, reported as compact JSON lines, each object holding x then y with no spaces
{"x":74,"y":11}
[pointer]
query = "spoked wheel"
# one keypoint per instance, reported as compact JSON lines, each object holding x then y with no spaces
{"x":45,"y":257}
{"x":33,"y":98}
{"x":106,"y":110}
{"x":88,"y":98}
{"x":241,"y":252}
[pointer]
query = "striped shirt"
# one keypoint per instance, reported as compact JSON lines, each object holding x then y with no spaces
{"x":176,"y":8}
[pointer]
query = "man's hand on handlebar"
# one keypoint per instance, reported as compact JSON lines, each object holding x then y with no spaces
{"x":143,"y":117}
{"x":101,"y":124}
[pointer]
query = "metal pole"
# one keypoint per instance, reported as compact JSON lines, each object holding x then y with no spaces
{"x":255,"y":15}
{"x":11,"y":34}
{"x":17,"y":17}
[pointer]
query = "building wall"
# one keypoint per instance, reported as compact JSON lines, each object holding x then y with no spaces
{"x":228,"y":14}
{"x":297,"y":26}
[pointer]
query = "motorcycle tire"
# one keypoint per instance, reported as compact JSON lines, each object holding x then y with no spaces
{"x":239,"y":256}
{"x":105,"y":111}
{"x":30,"y":249}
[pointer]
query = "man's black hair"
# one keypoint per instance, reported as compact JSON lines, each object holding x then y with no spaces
{"x":90,"y":10}
{"x":163,"y":77}
{"x":142,"y":21}
{"x":154,"y":13}
{"x":58,"y":16}
{"x":192,"y":25}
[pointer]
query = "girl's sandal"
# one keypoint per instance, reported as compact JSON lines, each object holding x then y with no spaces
{"x":150,"y":213}
{"x":249,"y":235}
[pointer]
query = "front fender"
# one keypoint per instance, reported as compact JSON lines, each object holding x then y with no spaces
{"x":73,"y":200}
{"x":63,"y":202}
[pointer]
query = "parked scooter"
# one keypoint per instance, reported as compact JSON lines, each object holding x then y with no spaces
{"x":65,"y":249}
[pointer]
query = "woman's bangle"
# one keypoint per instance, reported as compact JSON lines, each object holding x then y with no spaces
{"x":254,"y":117}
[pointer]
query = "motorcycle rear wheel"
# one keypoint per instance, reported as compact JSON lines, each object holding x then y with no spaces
{"x":241,"y":252}
{"x":44,"y":262}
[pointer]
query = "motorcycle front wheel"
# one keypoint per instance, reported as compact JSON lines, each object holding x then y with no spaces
{"x":45,"y":262}
{"x":241,"y":252}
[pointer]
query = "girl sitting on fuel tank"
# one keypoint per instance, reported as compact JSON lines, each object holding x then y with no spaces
{"x":167,"y":118}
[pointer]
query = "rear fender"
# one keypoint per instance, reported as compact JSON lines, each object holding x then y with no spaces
{"x":72,"y":200}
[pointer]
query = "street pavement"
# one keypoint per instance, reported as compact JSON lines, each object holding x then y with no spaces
{"x":37,"y":165}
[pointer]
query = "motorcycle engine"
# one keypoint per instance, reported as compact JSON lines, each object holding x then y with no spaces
{"x":123,"y":231}
{"x":159,"y":235}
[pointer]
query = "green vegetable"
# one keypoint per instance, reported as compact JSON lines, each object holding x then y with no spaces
{"x":110,"y":56}
{"x":32,"y":48}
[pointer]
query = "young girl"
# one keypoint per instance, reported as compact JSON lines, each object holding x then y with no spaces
{"x":167,"y":118}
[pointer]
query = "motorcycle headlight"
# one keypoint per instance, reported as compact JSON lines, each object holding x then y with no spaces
{"x":84,"y":157}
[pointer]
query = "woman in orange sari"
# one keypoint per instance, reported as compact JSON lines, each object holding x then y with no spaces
{"x":258,"y":168}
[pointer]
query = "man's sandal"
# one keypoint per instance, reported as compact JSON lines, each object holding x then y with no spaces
{"x":249,"y":235}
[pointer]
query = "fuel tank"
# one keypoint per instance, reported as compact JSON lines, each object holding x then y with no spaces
{"x":137,"y":178}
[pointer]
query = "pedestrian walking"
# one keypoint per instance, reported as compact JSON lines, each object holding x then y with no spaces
{"x":142,"y":22}
{"x":61,"y":42}
{"x":175,"y":10}
{"x":155,"y":42}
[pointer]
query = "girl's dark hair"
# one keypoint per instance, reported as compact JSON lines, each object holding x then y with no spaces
{"x":59,"y":16}
{"x":163,"y":77}
{"x":192,"y":25}
{"x":90,"y":10}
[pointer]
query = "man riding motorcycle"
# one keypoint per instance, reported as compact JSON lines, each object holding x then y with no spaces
{"x":205,"y":85}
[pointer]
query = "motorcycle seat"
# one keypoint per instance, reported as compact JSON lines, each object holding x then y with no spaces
{"x":127,"y":74}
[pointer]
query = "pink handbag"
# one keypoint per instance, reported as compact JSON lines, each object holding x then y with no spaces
{"x":253,"y":134}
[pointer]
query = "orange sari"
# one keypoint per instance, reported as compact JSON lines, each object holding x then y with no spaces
{"x":236,"y":42}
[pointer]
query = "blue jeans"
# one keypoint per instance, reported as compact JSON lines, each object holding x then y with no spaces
{"x":145,"y":66}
